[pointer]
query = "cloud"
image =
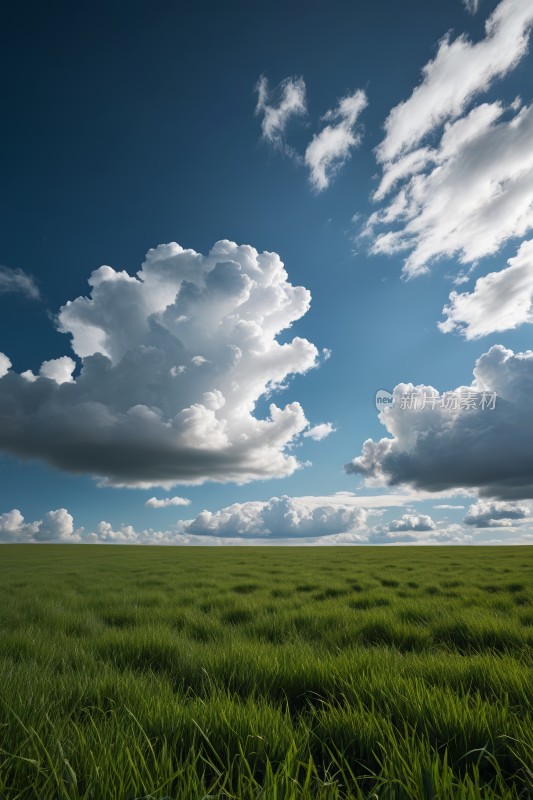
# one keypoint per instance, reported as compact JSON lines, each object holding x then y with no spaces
{"x":278,"y":517}
{"x":446,"y":506}
{"x":133,"y":416}
{"x":460,"y":70}
{"x":5,"y":365}
{"x":331,"y":148}
{"x":495,"y":514}
{"x":338,"y":519}
{"x":408,"y":528}
{"x":166,"y":502}
{"x":500,"y":301}
{"x":417,"y":529}
{"x":463,"y":198}
{"x":57,"y":526}
{"x":487,"y":448}
{"x":319,"y":432}
{"x":412,"y":522}
{"x":291,"y":102}
{"x":14,"y":529}
{"x":16,"y":280}
{"x":471,"y":6}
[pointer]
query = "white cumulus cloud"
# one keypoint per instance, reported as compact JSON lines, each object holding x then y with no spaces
{"x":479,"y":437}
{"x":132,"y":416}
{"x":166,"y":502}
{"x":5,"y":365}
{"x":495,"y":514}
{"x":279,"y":517}
{"x":57,"y":526}
{"x":13,"y":528}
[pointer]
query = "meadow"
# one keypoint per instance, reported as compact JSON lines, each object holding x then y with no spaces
{"x":265,"y":672}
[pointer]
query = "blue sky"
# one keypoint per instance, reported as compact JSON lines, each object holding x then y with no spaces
{"x":129,"y":126}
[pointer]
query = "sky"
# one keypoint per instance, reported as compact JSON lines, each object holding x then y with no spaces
{"x":228,"y":231}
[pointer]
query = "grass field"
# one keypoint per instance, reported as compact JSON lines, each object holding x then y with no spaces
{"x":270,"y":673}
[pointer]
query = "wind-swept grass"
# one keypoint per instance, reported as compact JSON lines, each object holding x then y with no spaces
{"x":272,"y":673}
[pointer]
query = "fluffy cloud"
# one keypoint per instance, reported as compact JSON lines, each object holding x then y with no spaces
{"x":495,"y":514}
{"x":331,"y":148}
{"x":408,"y":528}
{"x":453,"y":445}
{"x":278,"y":517}
{"x":338,"y":519}
{"x":459,"y":71}
{"x":463,"y":198}
{"x":412,"y":522}
{"x":319,"y":432}
{"x":14,"y":529}
{"x":57,"y":526}
{"x":5,"y":365}
{"x":173,"y":363}
{"x":291,"y":102}
{"x":166,"y":502}
{"x":16,"y":280}
{"x":500,"y":301}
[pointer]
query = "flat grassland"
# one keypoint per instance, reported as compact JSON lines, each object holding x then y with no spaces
{"x":265,"y":672}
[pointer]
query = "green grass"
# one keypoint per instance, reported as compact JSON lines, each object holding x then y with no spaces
{"x":265,"y":673}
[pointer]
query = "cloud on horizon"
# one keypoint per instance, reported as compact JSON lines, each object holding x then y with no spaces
{"x":280,"y":520}
{"x":495,"y":514}
{"x":56,"y":526}
{"x":278,"y":517}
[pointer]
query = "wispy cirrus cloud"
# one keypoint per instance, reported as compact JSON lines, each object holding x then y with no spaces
{"x":18,"y":281}
{"x":500,"y":300}
{"x":460,"y":71}
{"x":278,"y":106}
{"x":464,"y":198}
{"x":332,"y":147}
{"x":457,"y":179}
{"x":319,"y":432}
{"x":471,"y":6}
